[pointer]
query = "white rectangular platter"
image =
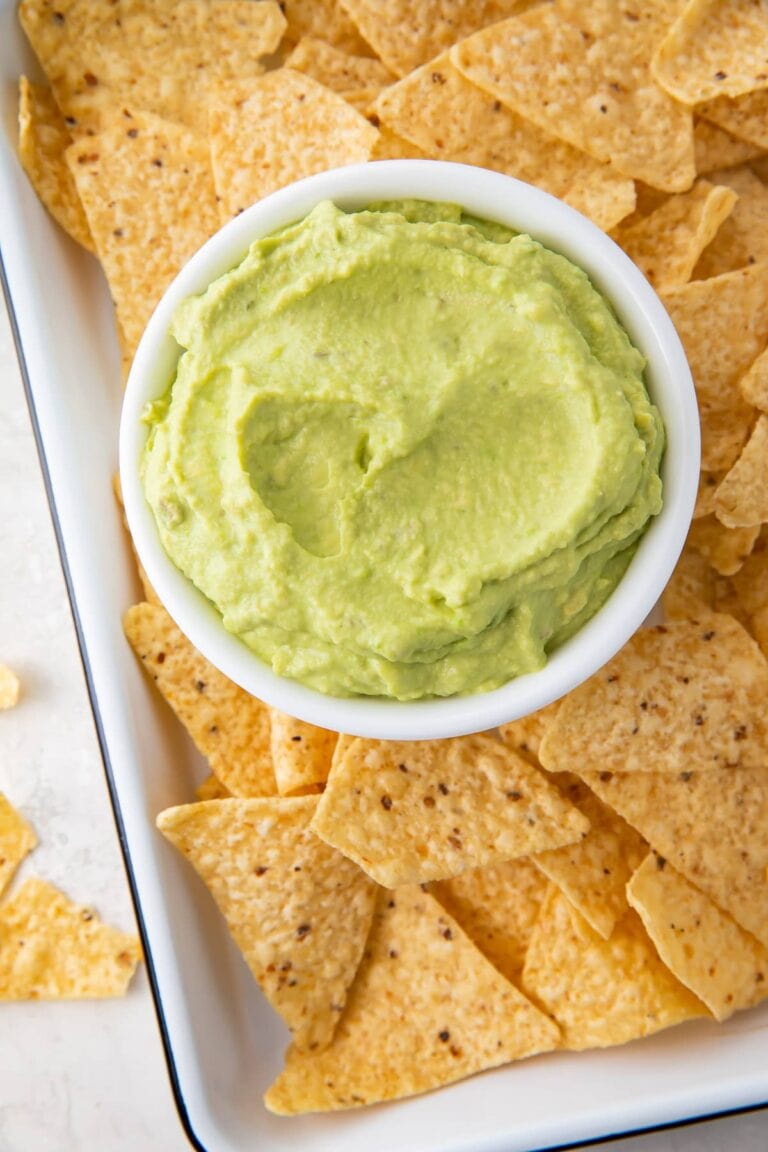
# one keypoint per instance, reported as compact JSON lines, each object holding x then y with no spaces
{"x":222,"y":1042}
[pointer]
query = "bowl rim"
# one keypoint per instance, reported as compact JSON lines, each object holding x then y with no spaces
{"x":492,"y":196}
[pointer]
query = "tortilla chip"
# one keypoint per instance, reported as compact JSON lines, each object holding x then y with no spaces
{"x":751,"y":581}
{"x":726,"y":967}
{"x":754,"y":383}
{"x":727,"y":602}
{"x":335,"y":69}
{"x":301,"y":754}
{"x":723,"y":324}
{"x":52,"y":949}
{"x":666,"y":244}
{"x":212,"y":789}
{"x":714,"y":148}
{"x":604,"y":101}
{"x":410,"y":812}
{"x":17,"y":838}
{"x":497,"y":908}
{"x":726,"y":549}
{"x":10,"y":688}
{"x":426,"y":1009}
{"x":744,"y":117}
{"x":450,"y":119}
{"x":228,"y":726}
{"x":43,"y":140}
{"x":714,"y":48}
{"x":525,"y":734}
{"x":691,"y":589}
{"x":284,"y":895}
{"x":742,"y":498}
{"x":601,"y":992}
{"x":705,"y":497}
{"x":147,"y":191}
{"x":154,"y":56}
{"x":760,"y":629}
{"x":326,"y":20}
{"x":407,"y":33}
{"x":742,"y":239}
{"x":711,"y":826}
{"x":390,"y":146}
{"x":267,"y":133}
{"x":593,"y":874}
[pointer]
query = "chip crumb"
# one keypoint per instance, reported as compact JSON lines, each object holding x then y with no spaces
{"x":10,"y":688}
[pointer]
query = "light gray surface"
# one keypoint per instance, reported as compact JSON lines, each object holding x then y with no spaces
{"x":85,"y":1076}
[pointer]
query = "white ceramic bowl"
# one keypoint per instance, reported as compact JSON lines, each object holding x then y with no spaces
{"x":493,"y":197}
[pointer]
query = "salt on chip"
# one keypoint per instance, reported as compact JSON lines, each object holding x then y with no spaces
{"x":17,"y":838}
{"x":580,"y":71}
{"x":410,"y":812}
{"x":726,"y":967}
{"x":335,"y":69}
{"x":742,"y":498}
{"x":10,"y":688}
{"x":682,"y":696}
{"x":284,"y":895}
{"x":711,"y":826}
{"x":593,"y":874}
{"x":147,"y":189}
{"x":714,"y":48}
{"x":601,"y":992}
{"x":715,"y":148}
{"x":497,"y":907}
{"x":754,"y":382}
{"x":301,"y":754}
{"x":274,"y":130}
{"x":426,"y":1009}
{"x":452,"y":119}
{"x":726,"y":549}
{"x":691,"y":588}
{"x":52,"y":949}
{"x":525,"y":735}
{"x":230,"y":727}
{"x":43,"y":140}
{"x":326,"y":20}
{"x":407,"y":33}
{"x":666,"y":244}
{"x":742,"y":239}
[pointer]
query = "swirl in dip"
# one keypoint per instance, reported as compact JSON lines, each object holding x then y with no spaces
{"x":405,"y":453}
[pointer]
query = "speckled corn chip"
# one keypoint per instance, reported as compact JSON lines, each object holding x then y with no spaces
{"x":726,"y":549}
{"x":17,"y":838}
{"x":714,"y":48}
{"x":754,"y":382}
{"x":743,"y":238}
{"x":715,"y":148}
{"x":745,"y":118}
{"x":327,"y":20}
{"x":691,"y":589}
{"x":301,"y":754}
{"x":525,"y":734}
{"x":335,"y":69}
{"x":742,"y":497}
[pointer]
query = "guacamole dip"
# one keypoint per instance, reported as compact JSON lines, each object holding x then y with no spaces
{"x":405,"y":453}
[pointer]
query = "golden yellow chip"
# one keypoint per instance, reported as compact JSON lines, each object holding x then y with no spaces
{"x":691,"y":589}
{"x":705,"y":497}
{"x":10,"y":688}
{"x":742,"y":497}
{"x":497,"y":908}
{"x":212,"y":789}
{"x":751,"y":581}
{"x":17,"y":838}
{"x":335,"y":69}
{"x":744,"y":117}
{"x":390,"y":146}
{"x":742,"y":238}
{"x":601,"y":992}
{"x":754,"y":383}
{"x":525,"y":734}
{"x":593,"y":874}
{"x":52,"y":949}
{"x":581,"y":73}
{"x":714,"y":48}
{"x":711,"y":826}
{"x":726,"y":967}
{"x":43,"y":140}
{"x":147,"y":191}
{"x":230,"y":727}
{"x":410,"y":812}
{"x":284,"y":895}
{"x":450,"y":119}
{"x":715,"y":148}
{"x":666,"y":244}
{"x":726,"y":549}
{"x":760,"y":628}
{"x":682,"y":696}
{"x":326,"y":20}
{"x":426,"y":1009}
{"x":301,"y":754}
{"x":274,"y":130}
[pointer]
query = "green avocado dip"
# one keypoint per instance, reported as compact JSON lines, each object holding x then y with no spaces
{"x":406,"y":452}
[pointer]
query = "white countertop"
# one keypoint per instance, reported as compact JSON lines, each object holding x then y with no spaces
{"x":92,"y":1076}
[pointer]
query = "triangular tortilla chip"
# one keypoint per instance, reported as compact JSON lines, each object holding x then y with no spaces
{"x":711,"y":826}
{"x":742,"y":498}
{"x":17,"y":838}
{"x":327,"y":20}
{"x":52,"y":949}
{"x":726,"y":549}
{"x":743,"y":237}
{"x":691,"y":589}
{"x":269,"y":132}
{"x":726,"y":967}
{"x":43,"y":140}
{"x":451,"y":119}
{"x":714,"y":48}
{"x":497,"y":908}
{"x":301,"y":754}
{"x":10,"y":687}
{"x":410,"y":812}
{"x":666,"y":244}
{"x":682,"y":696}
{"x":228,"y":725}
{"x":284,"y":895}
{"x":601,"y":992}
{"x":525,"y":735}
{"x":604,"y":101}
{"x":593,"y":874}
{"x":335,"y":69}
{"x":147,"y":191}
{"x":715,"y":148}
{"x":754,"y":383}
{"x":426,"y":1009}
{"x":744,"y":117}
